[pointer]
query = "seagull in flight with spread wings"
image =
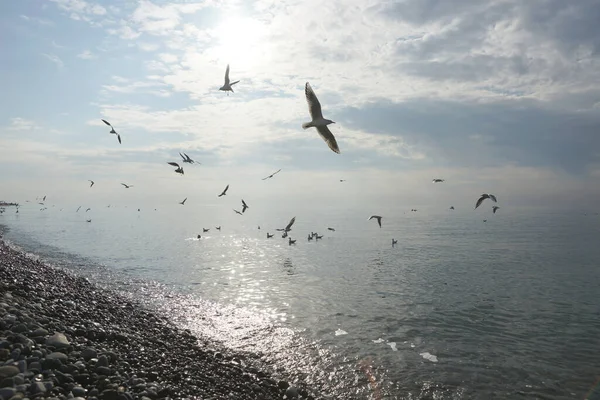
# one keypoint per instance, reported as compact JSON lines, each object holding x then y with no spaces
{"x":112,"y":130}
{"x":224,"y":192}
{"x":183,"y":202}
{"x":272,"y":175}
{"x":127,"y":186}
{"x":187,"y":159}
{"x":179,"y":169}
{"x":227,"y":87}
{"x":314,"y":108}
{"x":92,"y":184}
{"x":483,"y":197}
{"x":377,"y":217}
{"x":244,"y":206}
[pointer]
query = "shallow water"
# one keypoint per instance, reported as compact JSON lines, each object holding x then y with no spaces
{"x":459,"y":308}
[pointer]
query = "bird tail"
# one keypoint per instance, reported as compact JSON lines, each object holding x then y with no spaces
{"x":307,"y":125}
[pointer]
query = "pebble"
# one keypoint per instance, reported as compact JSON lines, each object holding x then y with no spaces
{"x":57,"y":340}
{"x":7,"y":371}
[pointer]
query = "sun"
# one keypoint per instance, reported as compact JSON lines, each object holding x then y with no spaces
{"x":240,"y":41}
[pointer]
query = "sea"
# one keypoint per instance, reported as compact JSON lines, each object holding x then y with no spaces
{"x":459,"y":308}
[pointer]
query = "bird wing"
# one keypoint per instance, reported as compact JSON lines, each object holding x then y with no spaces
{"x":287,"y":228}
{"x":119,"y":137}
{"x":173,"y":164}
{"x":124,"y":184}
{"x":493,"y":198}
{"x":379,"y":221}
{"x":480,"y":200}
{"x":107,"y":123}
{"x":184,"y":200}
{"x":227,"y":75}
{"x":244,"y":203}
{"x":225,"y":190}
{"x":328,"y":137}
{"x":314,"y":107}
{"x":182,"y":156}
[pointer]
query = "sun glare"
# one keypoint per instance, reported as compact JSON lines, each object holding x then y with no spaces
{"x":240,"y":41}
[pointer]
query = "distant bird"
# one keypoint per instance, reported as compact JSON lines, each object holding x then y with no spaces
{"x":289,"y":225}
{"x":394,"y":242}
{"x":291,"y":242}
{"x":183,"y":202}
{"x":483,"y":197}
{"x":88,"y":220}
{"x":452,"y":207}
{"x":92,"y":184}
{"x":78,"y":209}
{"x":314,"y":108}
{"x":378,"y":219}
{"x":224,"y":191}
{"x":485,"y":220}
{"x":127,"y":186}
{"x":112,"y":130}
{"x":198,"y":237}
{"x":495,"y":208}
{"x":259,"y":227}
{"x":310,"y":237}
{"x":237,"y":211}
{"x":218,"y":228}
{"x":187,"y":159}
{"x":205,"y":230}
{"x":272,"y":175}
{"x":244,"y":206}
{"x":269,"y":236}
{"x":227,"y":87}
{"x":88,"y":210}
{"x":44,"y":199}
{"x":437,"y":180}
{"x":317,"y":237}
{"x":342,"y":180}
{"x":331,"y":229}
{"x":179,"y":169}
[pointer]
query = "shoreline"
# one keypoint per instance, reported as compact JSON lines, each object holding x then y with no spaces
{"x":61,"y":335}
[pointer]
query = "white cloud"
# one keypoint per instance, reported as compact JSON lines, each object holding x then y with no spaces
{"x":78,"y":9}
{"x":55,"y":59}
{"x":22,"y":124}
{"x":87,"y":55}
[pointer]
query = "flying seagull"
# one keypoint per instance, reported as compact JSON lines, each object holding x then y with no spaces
{"x":88,"y":220}
{"x":495,"y":208}
{"x":44,"y":199}
{"x":187,"y":159}
{"x":272,"y":175}
{"x":227,"y":87}
{"x":127,"y":186}
{"x":331,"y":229}
{"x":92,"y":184}
{"x":437,"y":180}
{"x":289,"y":225}
{"x":237,"y":211}
{"x":452,"y":207}
{"x":244,"y":206}
{"x":218,"y":228}
{"x":269,"y":236}
{"x":112,"y":130}
{"x":205,"y":230}
{"x":342,"y":180}
{"x":183,"y":202}
{"x":78,"y":209}
{"x":179,"y":169}
{"x":483,"y":197}
{"x":224,"y":191}
{"x":378,"y":219}
{"x":314,"y":108}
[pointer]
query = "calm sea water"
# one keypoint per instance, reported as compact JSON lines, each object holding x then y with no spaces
{"x":458,"y":309}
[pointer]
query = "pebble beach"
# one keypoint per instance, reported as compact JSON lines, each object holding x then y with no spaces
{"x":62,"y":337}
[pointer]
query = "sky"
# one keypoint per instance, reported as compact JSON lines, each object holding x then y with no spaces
{"x":496,"y":96}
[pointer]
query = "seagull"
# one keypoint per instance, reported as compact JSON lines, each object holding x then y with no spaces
{"x":331,"y":229}
{"x":317,"y":237}
{"x":378,"y":219}
{"x":88,"y":210}
{"x":198,"y":237}
{"x":88,"y":220}
{"x":314,"y":108}
{"x":187,"y":159}
{"x":227,"y":87}
{"x":495,"y":208}
{"x":127,"y":186}
{"x":92,"y":184}
{"x":218,"y":228}
{"x":342,"y":180}
{"x":179,"y":169}
{"x":204,"y":230}
{"x":452,"y":207}
{"x":310,"y":237}
{"x":224,"y":191}
{"x":237,"y":211}
{"x":291,"y":242}
{"x":112,"y":130}
{"x":289,"y":225}
{"x":272,"y":175}
{"x":78,"y":209}
{"x":394,"y":241}
{"x":244,"y":206}
{"x":44,"y":199}
{"x":183,"y":202}
{"x":269,"y":236}
{"x":437,"y":180}
{"x":485,"y":220}
{"x":483,"y":197}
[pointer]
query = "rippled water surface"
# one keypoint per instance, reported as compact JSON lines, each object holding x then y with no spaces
{"x":458,"y":309}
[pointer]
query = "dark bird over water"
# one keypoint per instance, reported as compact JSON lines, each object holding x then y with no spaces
{"x":437,"y":180}
{"x":331,"y":229}
{"x":291,"y":242}
{"x":244,"y":206}
{"x":394,"y":242}
{"x":218,"y":228}
{"x":452,"y":207}
{"x":378,"y":219}
{"x":179,"y":169}
{"x":495,"y":208}
{"x":92,"y":184}
{"x":272,"y":175}
{"x":127,"y":186}
{"x":112,"y":130}
{"x":237,"y":211}
{"x":183,"y":202}
{"x":224,"y":191}
{"x":314,"y":108}
{"x":483,"y":197}
{"x":205,"y":230}
{"x":269,"y":236}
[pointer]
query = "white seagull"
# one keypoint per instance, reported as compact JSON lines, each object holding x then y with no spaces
{"x":112,"y":130}
{"x":314,"y":108}
{"x":227,"y":87}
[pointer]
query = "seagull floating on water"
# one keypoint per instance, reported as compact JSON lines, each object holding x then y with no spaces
{"x":291,"y":242}
{"x":224,"y":191}
{"x":495,"y":208}
{"x":127,"y":186}
{"x":394,"y":242}
{"x":179,"y":169}
{"x":218,"y":228}
{"x":483,"y":197}
{"x":437,"y":180}
{"x":314,"y":108}
{"x":272,"y":175}
{"x":112,"y":130}
{"x":378,"y":219}
{"x":227,"y":87}
{"x":92,"y":184}
{"x":205,"y":230}
{"x":244,"y":206}
{"x":269,"y":236}
{"x":183,"y":202}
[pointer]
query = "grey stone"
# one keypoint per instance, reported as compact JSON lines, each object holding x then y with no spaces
{"x":19,"y":328}
{"x":37,"y":387}
{"x":78,"y":391}
{"x":57,"y":340}
{"x":291,"y":392}
{"x":39,"y":332}
{"x":7,"y":371}
{"x":7,"y":392}
{"x":89,"y":353}
{"x":22,"y":365}
{"x":57,"y":355}
{"x":102,"y":361}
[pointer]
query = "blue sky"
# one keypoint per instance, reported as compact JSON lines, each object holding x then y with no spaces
{"x":494,"y":96}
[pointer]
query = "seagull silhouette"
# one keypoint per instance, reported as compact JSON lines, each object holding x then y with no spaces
{"x":237,"y":211}
{"x":437,"y":180}
{"x":291,"y":242}
{"x":452,"y":207}
{"x":224,"y":191}
{"x":204,"y":230}
{"x":483,"y":197}
{"x":244,"y":206}
{"x":269,"y":236}
{"x":495,"y":208}
{"x":179,"y":169}
{"x":331,"y":229}
{"x":92,"y":184}
{"x":378,"y":219}
{"x":227,"y":87}
{"x":127,"y":186}
{"x":272,"y":175}
{"x":394,"y":241}
{"x":218,"y":228}
{"x":187,"y":159}
{"x":314,"y":108}
{"x":112,"y":130}
{"x":183,"y":202}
